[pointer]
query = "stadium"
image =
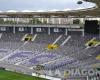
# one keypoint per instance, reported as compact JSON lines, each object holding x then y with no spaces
{"x":51,"y":45}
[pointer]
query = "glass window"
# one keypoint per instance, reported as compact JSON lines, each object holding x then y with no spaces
{"x":3,"y":28}
{"x":56,"y":30}
{"x":21,"y":29}
{"x":38,"y":29}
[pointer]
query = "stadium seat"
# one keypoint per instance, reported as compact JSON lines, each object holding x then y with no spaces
{"x":52,"y":46}
{"x":98,"y":57}
{"x":28,"y":38}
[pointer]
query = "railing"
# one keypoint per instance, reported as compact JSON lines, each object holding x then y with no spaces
{"x":43,"y":25}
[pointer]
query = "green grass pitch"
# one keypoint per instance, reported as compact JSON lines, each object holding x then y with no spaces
{"x":8,"y":75}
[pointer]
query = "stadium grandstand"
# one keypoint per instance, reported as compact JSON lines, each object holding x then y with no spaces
{"x":53,"y":45}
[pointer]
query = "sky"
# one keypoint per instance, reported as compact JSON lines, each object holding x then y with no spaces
{"x":33,"y":5}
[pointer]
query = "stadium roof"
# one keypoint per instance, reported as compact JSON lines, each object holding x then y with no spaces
{"x":92,"y":11}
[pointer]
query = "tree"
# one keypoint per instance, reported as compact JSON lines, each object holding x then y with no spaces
{"x":76,"y":21}
{"x":1,"y":21}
